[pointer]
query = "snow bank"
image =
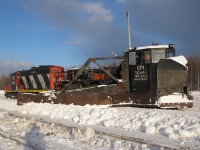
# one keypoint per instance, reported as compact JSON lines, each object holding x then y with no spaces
{"x":182,"y":126}
{"x":2,"y":92}
{"x":171,"y":124}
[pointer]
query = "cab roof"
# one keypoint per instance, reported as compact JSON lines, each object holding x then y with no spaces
{"x":154,"y":47}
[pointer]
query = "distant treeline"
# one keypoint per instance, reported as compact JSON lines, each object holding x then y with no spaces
{"x":193,"y":74}
{"x":4,"y":79}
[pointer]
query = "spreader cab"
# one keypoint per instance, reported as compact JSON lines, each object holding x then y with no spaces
{"x":155,"y":71}
{"x":150,"y":54}
{"x":143,"y":66}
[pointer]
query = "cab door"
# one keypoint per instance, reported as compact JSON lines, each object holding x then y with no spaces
{"x":139,"y":72}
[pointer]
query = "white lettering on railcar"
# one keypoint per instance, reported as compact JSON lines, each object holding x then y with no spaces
{"x":141,"y":74}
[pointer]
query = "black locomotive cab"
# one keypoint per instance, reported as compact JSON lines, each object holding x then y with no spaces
{"x":155,"y":71}
{"x":143,"y":63}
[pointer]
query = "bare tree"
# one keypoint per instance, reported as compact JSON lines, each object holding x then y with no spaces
{"x":4,"y":80}
{"x":194,"y":72}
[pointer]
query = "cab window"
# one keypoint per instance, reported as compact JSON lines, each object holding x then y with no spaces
{"x":170,"y":53}
{"x":147,"y":57}
{"x":157,"y":55}
{"x":143,"y":57}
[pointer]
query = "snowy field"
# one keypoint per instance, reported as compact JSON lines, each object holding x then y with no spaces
{"x":50,"y":126}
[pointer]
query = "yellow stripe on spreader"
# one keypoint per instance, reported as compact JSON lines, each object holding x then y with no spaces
{"x":25,"y":91}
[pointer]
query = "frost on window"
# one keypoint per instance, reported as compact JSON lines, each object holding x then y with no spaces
{"x":132,"y":58}
{"x":157,"y":55}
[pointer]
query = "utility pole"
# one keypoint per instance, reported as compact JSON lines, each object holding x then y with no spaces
{"x":115,"y":54}
{"x":129,"y":30}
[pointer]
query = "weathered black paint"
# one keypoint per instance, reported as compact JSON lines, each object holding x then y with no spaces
{"x":172,"y":77}
{"x":139,"y":78}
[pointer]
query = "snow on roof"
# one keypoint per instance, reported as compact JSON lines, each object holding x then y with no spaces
{"x":74,"y":68}
{"x":152,"y":47}
{"x":179,"y":59}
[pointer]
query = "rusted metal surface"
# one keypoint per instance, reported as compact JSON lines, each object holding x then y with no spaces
{"x":26,"y":97}
{"x":94,"y":95}
{"x":112,"y":94}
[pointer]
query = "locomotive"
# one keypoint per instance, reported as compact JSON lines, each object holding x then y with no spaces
{"x":44,"y":78}
{"x":35,"y":80}
{"x":149,"y":76}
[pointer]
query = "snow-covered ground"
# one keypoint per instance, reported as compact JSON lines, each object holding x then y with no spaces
{"x":55,"y":126}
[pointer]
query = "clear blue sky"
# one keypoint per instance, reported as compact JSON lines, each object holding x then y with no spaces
{"x":67,"y":32}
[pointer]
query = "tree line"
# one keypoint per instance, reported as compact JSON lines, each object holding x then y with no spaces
{"x":193,"y":74}
{"x":4,"y":80}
